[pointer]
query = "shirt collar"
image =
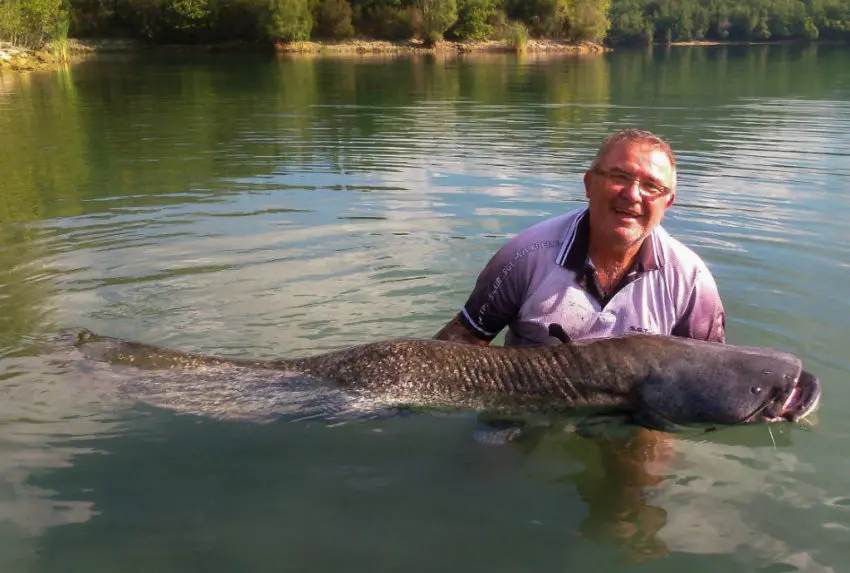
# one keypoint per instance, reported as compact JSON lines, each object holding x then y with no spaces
{"x":577,"y":240}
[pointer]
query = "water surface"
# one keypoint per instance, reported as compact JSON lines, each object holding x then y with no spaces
{"x":258,"y":208}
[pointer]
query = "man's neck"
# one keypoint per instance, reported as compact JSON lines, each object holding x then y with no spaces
{"x":612,"y":255}
{"x":611,"y":262}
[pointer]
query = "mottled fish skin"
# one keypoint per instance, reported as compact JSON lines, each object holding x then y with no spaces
{"x":426,"y":372}
{"x":451,"y":374}
{"x":674,"y":379}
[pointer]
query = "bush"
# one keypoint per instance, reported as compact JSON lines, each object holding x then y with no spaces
{"x":144,"y":18}
{"x":31,"y":23}
{"x":473,"y":19}
{"x":629,"y":25}
{"x":516,"y":36}
{"x":386,"y":22}
{"x":332,"y":19}
{"x":437,"y":17}
{"x":587,"y":19}
{"x":810,"y":31}
{"x":238,"y":19}
{"x":537,"y":15}
{"x":91,"y":18}
{"x":289,"y":20}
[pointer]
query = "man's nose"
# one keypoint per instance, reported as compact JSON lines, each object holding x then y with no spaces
{"x":632,"y":190}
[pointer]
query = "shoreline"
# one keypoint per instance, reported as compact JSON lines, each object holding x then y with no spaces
{"x":20,"y":59}
{"x":711,"y":43}
{"x":443,"y":47}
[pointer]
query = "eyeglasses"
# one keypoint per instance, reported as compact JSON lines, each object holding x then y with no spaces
{"x":621,"y":179}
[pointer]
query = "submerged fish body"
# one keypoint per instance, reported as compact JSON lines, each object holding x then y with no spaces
{"x":660,"y":380}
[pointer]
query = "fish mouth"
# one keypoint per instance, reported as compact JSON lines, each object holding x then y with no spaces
{"x":802,"y":400}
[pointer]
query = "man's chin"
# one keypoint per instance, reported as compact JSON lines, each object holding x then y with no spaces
{"x":626,"y":235}
{"x":621,"y":232}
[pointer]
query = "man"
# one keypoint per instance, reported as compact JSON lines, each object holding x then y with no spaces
{"x":603,"y":270}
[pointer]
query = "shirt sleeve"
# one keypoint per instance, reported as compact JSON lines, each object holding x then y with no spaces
{"x":500,"y":289}
{"x":704,"y":317}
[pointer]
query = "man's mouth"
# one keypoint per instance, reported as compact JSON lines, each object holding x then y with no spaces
{"x":626,"y":213}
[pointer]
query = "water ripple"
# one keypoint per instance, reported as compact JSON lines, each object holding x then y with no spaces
{"x":215,"y":208}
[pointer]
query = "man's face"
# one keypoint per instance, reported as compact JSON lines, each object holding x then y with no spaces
{"x":620,"y":215}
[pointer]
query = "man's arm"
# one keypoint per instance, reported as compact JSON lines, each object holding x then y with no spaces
{"x":455,"y":330}
{"x":495,"y":299}
{"x":631,"y":467}
{"x":704,"y":318}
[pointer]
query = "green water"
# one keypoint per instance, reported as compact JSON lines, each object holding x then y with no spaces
{"x":257,"y":207}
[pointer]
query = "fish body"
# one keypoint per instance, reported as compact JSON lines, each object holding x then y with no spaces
{"x":661,"y":381}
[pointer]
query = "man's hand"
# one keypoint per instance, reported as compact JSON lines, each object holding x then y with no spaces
{"x":456,"y":331}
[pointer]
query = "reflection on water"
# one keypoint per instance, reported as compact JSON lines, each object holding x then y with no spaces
{"x":268,"y":208}
{"x":657,"y":495}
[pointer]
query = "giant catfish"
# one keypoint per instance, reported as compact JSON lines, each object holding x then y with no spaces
{"x":660,"y":381}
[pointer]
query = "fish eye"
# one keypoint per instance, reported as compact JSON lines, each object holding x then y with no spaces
{"x":755,"y":390}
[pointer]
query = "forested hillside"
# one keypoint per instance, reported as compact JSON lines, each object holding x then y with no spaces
{"x":32,"y":22}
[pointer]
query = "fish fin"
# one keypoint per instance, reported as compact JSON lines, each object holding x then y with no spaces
{"x":605,"y":425}
{"x":497,"y":432}
{"x":557,"y":331}
{"x":652,"y":421}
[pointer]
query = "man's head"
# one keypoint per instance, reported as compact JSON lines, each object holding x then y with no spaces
{"x":630,"y":184}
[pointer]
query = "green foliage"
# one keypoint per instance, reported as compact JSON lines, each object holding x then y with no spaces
{"x":91,"y":18}
{"x":238,"y":19}
{"x":810,"y":30}
{"x":474,"y":19}
{"x":437,"y":17}
{"x":60,"y":34}
{"x":587,"y":19}
{"x":178,"y":21}
{"x":565,"y":19}
{"x":386,"y":21}
{"x":32,"y":23}
{"x":629,"y":23}
{"x":739,"y":20}
{"x":539,"y":16}
{"x":187,"y":15}
{"x":289,"y":20}
{"x":516,"y":35}
{"x":332,"y":19}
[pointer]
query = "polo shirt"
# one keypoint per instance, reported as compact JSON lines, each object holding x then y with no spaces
{"x":544,"y":275}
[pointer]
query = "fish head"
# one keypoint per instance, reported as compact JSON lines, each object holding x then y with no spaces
{"x":719,"y":384}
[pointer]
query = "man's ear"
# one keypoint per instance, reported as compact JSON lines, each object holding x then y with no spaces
{"x":671,"y":199}
{"x":587,"y":177}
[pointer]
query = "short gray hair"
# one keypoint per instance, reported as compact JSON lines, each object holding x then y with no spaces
{"x":635,"y":136}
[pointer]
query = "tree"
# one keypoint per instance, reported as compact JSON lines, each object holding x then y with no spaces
{"x":289,"y":20}
{"x":31,"y":23}
{"x":587,"y":19}
{"x":332,"y":19}
{"x":473,"y":20}
{"x":437,"y":17}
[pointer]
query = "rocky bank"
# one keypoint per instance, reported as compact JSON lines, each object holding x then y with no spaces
{"x":27,"y":60}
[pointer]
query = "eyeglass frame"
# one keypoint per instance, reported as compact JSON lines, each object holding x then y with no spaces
{"x":613,"y":174}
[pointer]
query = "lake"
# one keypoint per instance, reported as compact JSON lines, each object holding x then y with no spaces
{"x":258,"y":207}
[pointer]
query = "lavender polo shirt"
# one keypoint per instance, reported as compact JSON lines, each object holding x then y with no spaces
{"x":544,"y":275}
